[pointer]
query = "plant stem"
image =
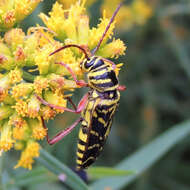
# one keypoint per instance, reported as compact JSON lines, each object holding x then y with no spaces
{"x":27,"y":76}
{"x":2,"y":185}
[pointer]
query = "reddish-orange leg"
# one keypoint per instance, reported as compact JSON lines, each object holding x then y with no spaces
{"x":71,"y":102}
{"x":61,"y":134}
{"x":80,"y":106}
{"x":81,"y":83}
{"x":121,"y":88}
{"x":76,"y":110}
{"x":65,"y":132}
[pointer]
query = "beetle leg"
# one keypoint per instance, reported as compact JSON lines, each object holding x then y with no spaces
{"x":81,"y":83}
{"x":79,"y":108}
{"x":62,"y":133}
{"x":72,"y":103}
{"x":121,"y":88}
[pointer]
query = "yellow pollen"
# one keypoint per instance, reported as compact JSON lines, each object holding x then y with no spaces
{"x":31,"y":151}
{"x":22,"y":90}
{"x":6,"y":144}
{"x":33,"y":107}
{"x":40,"y":84}
{"x":21,"y":108}
{"x":6,"y":141}
{"x":3,"y":94}
{"x":48,"y":113}
{"x":19,"y":54}
{"x":9,"y":18}
{"x":18,"y":133}
{"x":17,"y":121}
{"x":15,"y":76}
{"x":39,"y":133}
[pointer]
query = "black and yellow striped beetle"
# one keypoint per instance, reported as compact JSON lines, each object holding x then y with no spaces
{"x":97,"y":107}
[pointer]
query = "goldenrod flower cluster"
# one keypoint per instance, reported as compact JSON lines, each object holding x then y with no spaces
{"x":13,"y":11}
{"x":27,"y":70}
{"x":136,"y":13}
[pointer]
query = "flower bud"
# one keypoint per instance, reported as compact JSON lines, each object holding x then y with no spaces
{"x":33,"y":107}
{"x":6,"y":141}
{"x":5,"y":111}
{"x":38,"y":131}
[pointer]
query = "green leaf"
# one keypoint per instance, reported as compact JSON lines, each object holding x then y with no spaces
{"x":36,"y":175}
{"x":145,"y":157}
{"x":101,"y":172}
{"x":58,"y":168}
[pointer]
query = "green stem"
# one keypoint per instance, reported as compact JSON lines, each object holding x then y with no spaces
{"x":1,"y":172}
{"x":2,"y":185}
{"x":27,"y":76}
{"x":58,"y":168}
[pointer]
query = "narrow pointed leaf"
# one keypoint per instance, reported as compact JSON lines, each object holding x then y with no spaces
{"x":145,"y":157}
{"x":101,"y":172}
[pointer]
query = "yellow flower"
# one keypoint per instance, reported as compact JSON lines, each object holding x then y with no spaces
{"x":6,"y":141}
{"x":48,"y":113}
{"x":113,"y":49}
{"x":27,"y":157}
{"x":8,"y":19}
{"x":17,"y":121}
{"x":40,"y":84}
{"x":56,"y":98}
{"x":3,"y":94}
{"x":38,"y":131}
{"x":60,"y":83}
{"x":13,"y":11}
{"x":21,"y":108}
{"x":83,"y":29}
{"x":30,"y":46}
{"x":43,"y":35}
{"x":6,"y":62}
{"x":14,"y":37}
{"x":8,"y":99}
{"x":42,"y":58}
{"x":56,"y":21}
{"x":27,"y":69}
{"x":62,"y":26}
{"x":96,"y":33}
{"x":22,"y":90}
{"x":33,"y":107}
{"x":4,"y":83}
{"x":24,"y":8}
{"x":19,"y":56}
{"x":15,"y":76}
{"x":19,"y":133}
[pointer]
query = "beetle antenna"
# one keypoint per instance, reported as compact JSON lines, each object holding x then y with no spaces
{"x":107,"y":28}
{"x":71,"y":45}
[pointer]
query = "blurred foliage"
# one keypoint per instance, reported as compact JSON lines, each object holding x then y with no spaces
{"x":157,"y":74}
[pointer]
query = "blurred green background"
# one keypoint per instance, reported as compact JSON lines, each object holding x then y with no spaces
{"x":156,"y":72}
